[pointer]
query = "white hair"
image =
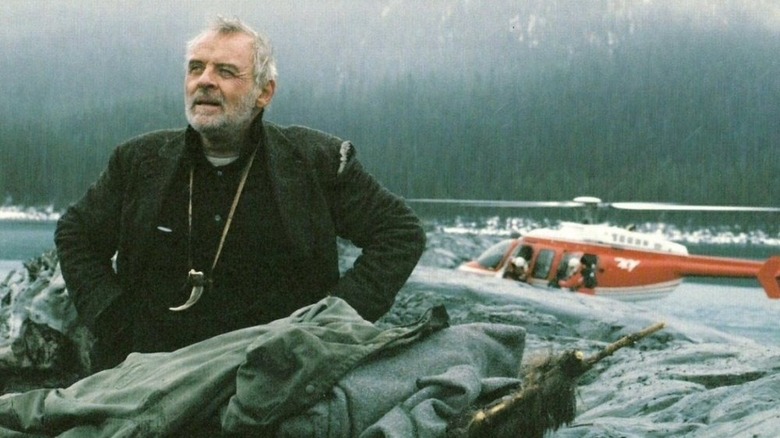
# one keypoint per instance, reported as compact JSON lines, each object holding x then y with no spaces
{"x":264,"y":62}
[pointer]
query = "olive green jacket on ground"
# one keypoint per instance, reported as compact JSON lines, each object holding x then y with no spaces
{"x":249,"y":379}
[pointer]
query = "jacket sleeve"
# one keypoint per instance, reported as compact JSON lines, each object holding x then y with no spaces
{"x":86,"y":238}
{"x":388,"y":232}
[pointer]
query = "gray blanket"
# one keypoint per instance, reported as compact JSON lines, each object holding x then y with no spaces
{"x":415,"y":392}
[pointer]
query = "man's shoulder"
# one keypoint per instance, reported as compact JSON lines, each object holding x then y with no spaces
{"x":155,"y":138}
{"x":153,"y":143}
{"x":301,"y":136}
{"x":321,"y":150}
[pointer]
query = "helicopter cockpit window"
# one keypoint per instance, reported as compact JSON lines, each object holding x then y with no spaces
{"x":524,"y":251}
{"x":543,"y":263}
{"x":493,"y":255}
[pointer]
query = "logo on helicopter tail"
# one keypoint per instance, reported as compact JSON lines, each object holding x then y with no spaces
{"x":626,"y":264}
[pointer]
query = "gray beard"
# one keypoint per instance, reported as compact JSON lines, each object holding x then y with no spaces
{"x":230,"y":127}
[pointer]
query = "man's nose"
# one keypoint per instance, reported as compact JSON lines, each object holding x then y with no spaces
{"x":206,"y":79}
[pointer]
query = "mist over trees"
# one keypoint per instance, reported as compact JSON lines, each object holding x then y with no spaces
{"x":625,"y":100}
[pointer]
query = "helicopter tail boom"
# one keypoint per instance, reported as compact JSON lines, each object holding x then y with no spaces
{"x":769,"y":277}
{"x":767,"y":273}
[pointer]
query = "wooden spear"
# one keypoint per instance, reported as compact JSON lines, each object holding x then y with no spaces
{"x":545,"y":400}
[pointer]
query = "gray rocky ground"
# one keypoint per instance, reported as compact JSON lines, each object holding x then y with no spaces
{"x":687,"y":380}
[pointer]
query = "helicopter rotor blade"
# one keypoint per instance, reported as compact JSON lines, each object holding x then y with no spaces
{"x":661,"y":206}
{"x":592,"y":203}
{"x":497,"y":203}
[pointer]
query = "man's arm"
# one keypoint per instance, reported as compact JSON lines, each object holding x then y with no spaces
{"x":388,"y":232}
{"x":86,"y":238}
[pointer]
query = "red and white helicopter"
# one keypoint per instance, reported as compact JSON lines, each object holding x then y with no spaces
{"x":607,"y":260}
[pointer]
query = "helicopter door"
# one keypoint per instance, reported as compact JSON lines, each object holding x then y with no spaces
{"x":543,"y":263}
{"x":563,"y":271}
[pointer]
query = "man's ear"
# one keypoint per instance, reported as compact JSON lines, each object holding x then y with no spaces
{"x":265,"y":97}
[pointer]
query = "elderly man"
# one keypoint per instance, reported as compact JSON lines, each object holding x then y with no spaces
{"x":213,"y":225}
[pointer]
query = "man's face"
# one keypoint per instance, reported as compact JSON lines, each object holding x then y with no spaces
{"x":219,"y":89}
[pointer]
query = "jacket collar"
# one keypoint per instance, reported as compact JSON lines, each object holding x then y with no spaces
{"x":193,"y":143}
{"x":287,"y":172}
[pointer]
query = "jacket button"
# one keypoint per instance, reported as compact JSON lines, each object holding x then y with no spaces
{"x":309,"y":389}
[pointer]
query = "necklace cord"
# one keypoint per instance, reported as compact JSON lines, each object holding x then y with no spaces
{"x":239,"y":190}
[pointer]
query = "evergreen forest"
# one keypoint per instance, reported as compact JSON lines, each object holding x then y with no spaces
{"x":640,"y":104}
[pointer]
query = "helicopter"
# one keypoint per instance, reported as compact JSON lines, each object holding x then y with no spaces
{"x":606,"y":260}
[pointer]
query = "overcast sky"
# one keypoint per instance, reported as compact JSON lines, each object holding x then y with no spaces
{"x":83,"y":47}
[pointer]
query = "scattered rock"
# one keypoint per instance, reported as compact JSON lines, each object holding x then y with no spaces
{"x":41,"y":342}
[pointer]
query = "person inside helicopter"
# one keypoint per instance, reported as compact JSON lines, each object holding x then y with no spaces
{"x":566,"y":268}
{"x":517,"y":269}
{"x":581,"y":274}
{"x":517,"y":266}
{"x":572,"y":277}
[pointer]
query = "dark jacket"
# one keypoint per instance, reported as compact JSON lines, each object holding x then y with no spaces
{"x":317,"y":203}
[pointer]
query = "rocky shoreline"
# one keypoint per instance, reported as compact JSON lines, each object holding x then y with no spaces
{"x":685,"y":380}
{"x":688,"y":380}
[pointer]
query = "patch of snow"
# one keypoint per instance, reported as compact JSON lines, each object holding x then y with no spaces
{"x":18,"y":213}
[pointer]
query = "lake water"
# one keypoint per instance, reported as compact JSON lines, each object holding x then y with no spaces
{"x":738,"y":307}
{"x":21,"y":240}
